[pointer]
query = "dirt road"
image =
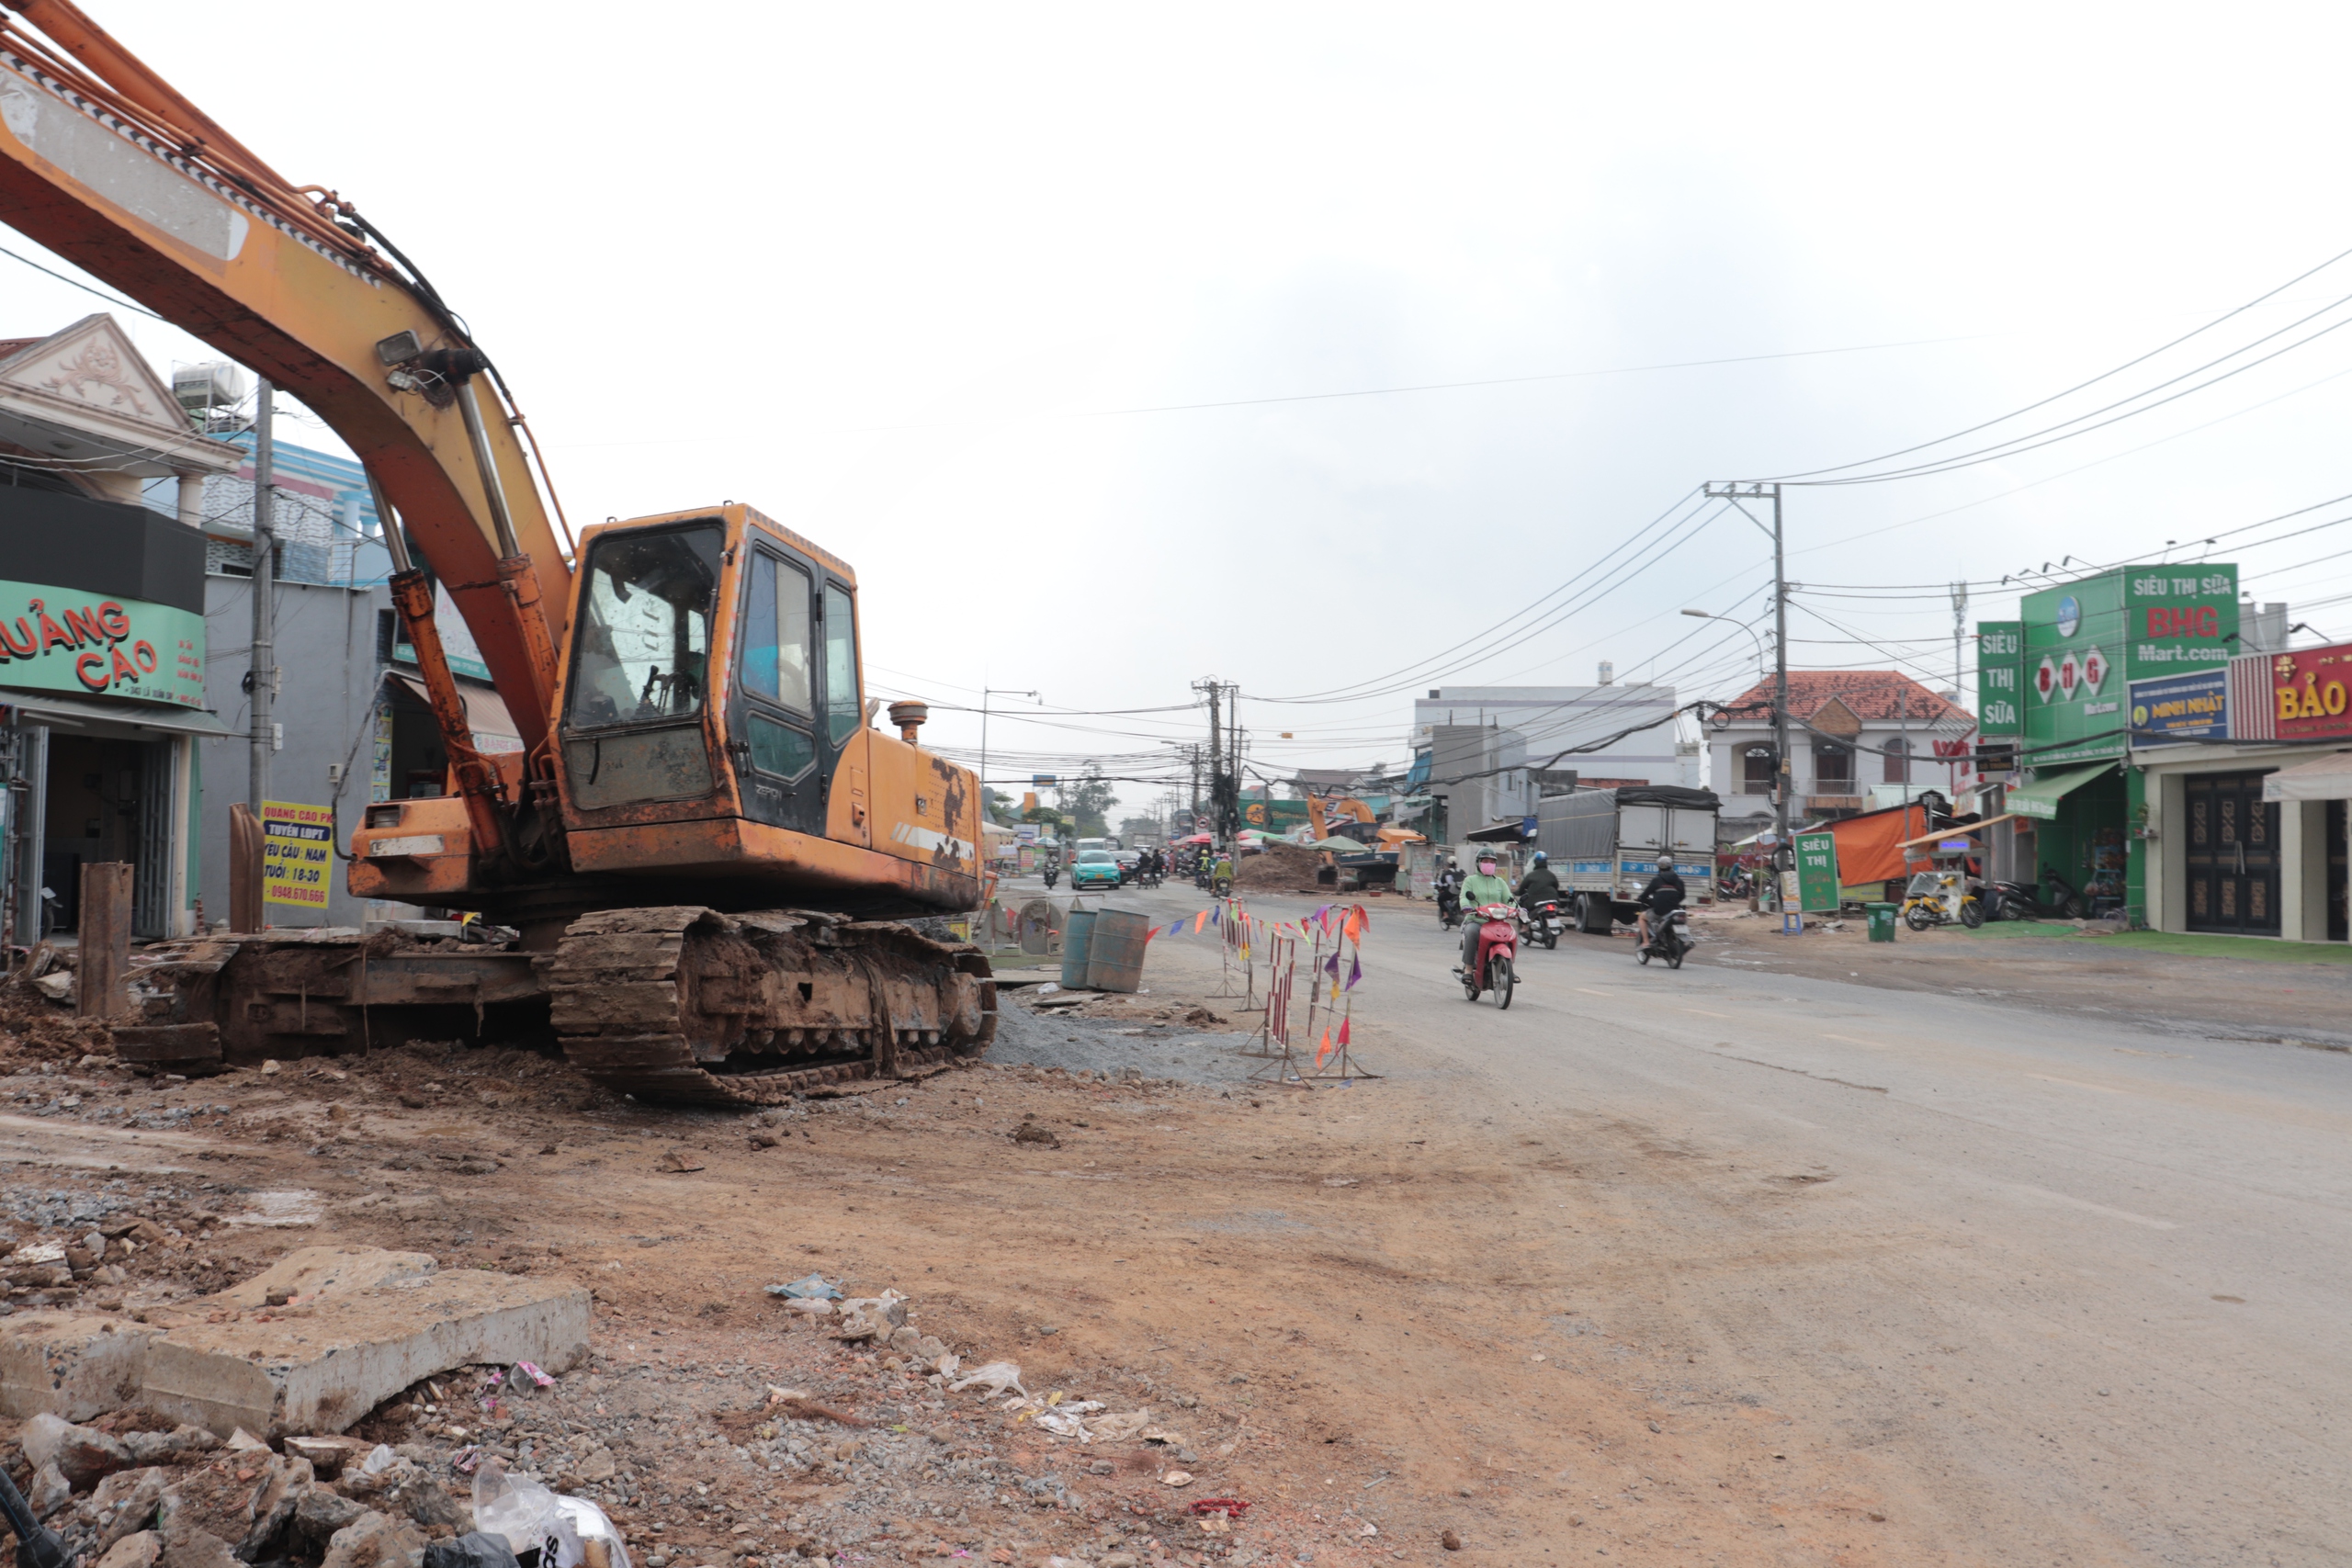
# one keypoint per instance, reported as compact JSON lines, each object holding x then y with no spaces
{"x":1707,"y":1267}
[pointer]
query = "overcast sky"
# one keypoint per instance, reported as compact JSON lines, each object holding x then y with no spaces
{"x":894,"y":274}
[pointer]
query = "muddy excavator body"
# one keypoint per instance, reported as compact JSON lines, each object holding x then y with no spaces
{"x":705,"y":870}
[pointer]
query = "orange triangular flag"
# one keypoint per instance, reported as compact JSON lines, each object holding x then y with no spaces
{"x":1324,"y":1049}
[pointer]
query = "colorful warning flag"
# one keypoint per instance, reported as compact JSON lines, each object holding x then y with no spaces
{"x":1323,"y":1050}
{"x":1343,"y":1030}
{"x":1355,"y":972}
{"x":1353,"y":927}
{"x":1331,"y":964}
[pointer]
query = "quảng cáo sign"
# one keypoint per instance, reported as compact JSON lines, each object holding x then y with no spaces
{"x":297,"y":853}
{"x":59,"y":639}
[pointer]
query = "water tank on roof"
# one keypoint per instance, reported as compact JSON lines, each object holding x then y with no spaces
{"x":209,"y":388}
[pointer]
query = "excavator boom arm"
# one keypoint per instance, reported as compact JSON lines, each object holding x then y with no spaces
{"x":104,"y":163}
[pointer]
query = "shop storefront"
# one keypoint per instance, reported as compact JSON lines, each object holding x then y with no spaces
{"x":102,"y":684}
{"x":2054,"y":684}
{"x":2245,"y":772}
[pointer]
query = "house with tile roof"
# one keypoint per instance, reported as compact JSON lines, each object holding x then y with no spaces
{"x":1858,"y":740}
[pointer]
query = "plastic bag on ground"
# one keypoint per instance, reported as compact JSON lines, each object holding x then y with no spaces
{"x":477,"y":1549}
{"x":600,"y":1541}
{"x":993,"y":1379}
{"x":816,"y":1286}
{"x":523,"y":1512}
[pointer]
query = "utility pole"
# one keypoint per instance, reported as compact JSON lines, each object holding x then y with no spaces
{"x":1217,"y":795}
{"x":261,"y":665}
{"x":1959,"y":628}
{"x":1736,"y":492}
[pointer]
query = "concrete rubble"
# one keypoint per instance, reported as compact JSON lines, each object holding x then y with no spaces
{"x":306,"y":1347}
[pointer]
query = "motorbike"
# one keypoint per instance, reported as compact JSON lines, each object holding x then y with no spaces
{"x":1940,"y":899}
{"x":1201,"y":876}
{"x":1150,"y":875}
{"x":1449,"y":907}
{"x":1544,"y":921}
{"x":1222,"y":887}
{"x":1052,"y":874}
{"x":1734,"y":887}
{"x":2023,"y":900}
{"x":2066,"y":902}
{"x":1497,"y":948}
{"x":1670,"y":938}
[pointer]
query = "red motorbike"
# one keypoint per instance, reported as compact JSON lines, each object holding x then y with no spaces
{"x":1498,"y":947}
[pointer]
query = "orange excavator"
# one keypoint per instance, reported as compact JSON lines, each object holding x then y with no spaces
{"x":720,"y":870}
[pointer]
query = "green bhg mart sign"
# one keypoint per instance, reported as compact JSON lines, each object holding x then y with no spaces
{"x":2083,"y":642}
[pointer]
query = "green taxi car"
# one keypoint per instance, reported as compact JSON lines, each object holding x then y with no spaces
{"x":1095,"y":868}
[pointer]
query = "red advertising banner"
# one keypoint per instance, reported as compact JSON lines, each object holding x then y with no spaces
{"x":2310,"y":693}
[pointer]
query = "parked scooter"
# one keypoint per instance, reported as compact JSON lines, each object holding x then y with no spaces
{"x":1544,"y":921}
{"x":1940,"y":898}
{"x":2064,"y":902}
{"x":1495,"y":968}
{"x":2023,"y":901}
{"x":1670,"y":938}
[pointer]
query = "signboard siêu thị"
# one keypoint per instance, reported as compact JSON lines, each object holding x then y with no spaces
{"x":2174,"y":709}
{"x":59,"y":639}
{"x":1817,"y":873}
{"x":297,"y":854}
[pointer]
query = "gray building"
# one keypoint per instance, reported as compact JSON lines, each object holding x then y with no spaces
{"x":1553,"y":719}
{"x":1477,"y":776}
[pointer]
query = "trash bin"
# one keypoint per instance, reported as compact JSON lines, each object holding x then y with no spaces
{"x":1882,"y":921}
{"x":1078,"y":937}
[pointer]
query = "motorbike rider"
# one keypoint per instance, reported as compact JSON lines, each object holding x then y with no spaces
{"x":1540,"y":885}
{"x":1484,"y":888}
{"x":1223,"y":871}
{"x":1660,"y":896}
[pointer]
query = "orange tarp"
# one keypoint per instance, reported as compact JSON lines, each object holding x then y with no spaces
{"x":1870,"y":847}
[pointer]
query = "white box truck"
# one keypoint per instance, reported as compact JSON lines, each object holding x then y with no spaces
{"x":1604,"y":844}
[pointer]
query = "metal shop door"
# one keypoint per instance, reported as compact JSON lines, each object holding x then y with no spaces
{"x":2232,"y":855}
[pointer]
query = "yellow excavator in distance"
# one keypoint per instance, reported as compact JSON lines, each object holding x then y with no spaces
{"x":718,"y":867}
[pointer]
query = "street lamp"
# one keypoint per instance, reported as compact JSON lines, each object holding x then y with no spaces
{"x":1782,"y":778}
{"x":986,"y":692}
{"x":1743,"y":625}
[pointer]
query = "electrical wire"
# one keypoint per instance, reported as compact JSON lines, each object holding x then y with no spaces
{"x":1809,"y":474}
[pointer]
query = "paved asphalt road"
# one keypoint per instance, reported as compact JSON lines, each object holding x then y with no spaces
{"x":2088,"y":1287}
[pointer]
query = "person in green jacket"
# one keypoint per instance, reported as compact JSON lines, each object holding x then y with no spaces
{"x":1482,"y":887}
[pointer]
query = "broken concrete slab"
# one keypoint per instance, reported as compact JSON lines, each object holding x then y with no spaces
{"x":328,"y":1455}
{"x":359,"y":1325}
{"x":137,"y":1550}
{"x":84,"y":1455}
{"x":71,"y":1366}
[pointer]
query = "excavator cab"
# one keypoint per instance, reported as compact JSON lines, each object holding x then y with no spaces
{"x":713,"y":744}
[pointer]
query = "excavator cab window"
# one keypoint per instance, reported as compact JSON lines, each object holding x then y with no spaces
{"x":643,"y":654}
{"x":842,"y":716}
{"x":640,"y":668}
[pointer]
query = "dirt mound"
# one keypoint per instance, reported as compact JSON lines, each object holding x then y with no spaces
{"x":1280,"y":868}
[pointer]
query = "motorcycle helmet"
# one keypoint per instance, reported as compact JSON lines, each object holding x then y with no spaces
{"x":1665,"y":867}
{"x":1540,"y":858}
{"x":1487,"y":864}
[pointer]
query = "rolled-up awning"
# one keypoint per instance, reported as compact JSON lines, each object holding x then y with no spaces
{"x":486,"y":715}
{"x":70,"y":711}
{"x":2324,"y":777}
{"x":2041,"y":798}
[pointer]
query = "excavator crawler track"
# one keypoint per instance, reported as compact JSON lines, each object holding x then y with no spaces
{"x":686,"y":1004}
